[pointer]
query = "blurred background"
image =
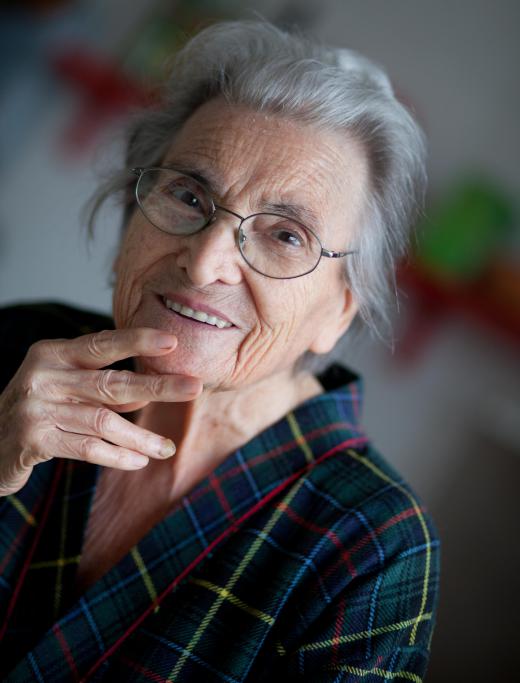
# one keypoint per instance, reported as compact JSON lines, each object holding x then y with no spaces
{"x":444,"y":405}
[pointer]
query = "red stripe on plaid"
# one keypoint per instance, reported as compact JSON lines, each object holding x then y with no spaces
{"x":321,"y":530}
{"x":28,"y":560}
{"x":148,"y":673}
{"x":409,"y":512}
{"x":66,"y":650}
{"x":209,"y":548}
{"x":16,"y":541}
{"x":279,"y":450}
{"x":338,"y":629}
{"x":214,"y":481}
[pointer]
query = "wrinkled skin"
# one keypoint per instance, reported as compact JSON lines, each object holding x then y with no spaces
{"x":206,"y":389}
{"x":254,"y":159}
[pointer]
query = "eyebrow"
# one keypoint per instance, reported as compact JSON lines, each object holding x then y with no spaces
{"x":208,"y":180}
{"x":297,"y":212}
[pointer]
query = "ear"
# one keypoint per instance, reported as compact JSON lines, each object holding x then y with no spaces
{"x":339,"y":322}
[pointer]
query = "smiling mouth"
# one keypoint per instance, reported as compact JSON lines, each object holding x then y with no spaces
{"x":199,"y":316}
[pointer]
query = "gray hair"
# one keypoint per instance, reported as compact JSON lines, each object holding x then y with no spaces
{"x":256,"y":64}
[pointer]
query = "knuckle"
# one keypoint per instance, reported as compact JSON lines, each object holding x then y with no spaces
{"x":103,"y":420}
{"x":158,"y":387}
{"x":34,"y":383}
{"x":125,"y":380}
{"x":100,"y":343}
{"x":115,"y":385}
{"x":36,"y":446}
{"x":46,"y":350}
{"x":105,"y":382}
{"x":30,"y":412}
{"x":88,"y":449}
{"x":29,"y":386}
{"x":38,"y":350}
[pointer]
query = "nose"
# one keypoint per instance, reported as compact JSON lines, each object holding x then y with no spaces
{"x":212,"y":254}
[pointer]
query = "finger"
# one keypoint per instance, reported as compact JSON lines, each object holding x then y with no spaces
{"x":129,"y":407}
{"x":104,"y":423}
{"x":104,"y":348}
{"x":117,"y":387}
{"x":96,"y":451}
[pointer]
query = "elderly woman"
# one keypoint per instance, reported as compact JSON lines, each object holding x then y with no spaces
{"x":184,"y":500}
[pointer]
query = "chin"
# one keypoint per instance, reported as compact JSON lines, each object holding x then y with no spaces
{"x":177,"y":364}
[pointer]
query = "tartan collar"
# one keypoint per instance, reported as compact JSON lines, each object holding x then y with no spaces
{"x":194,"y":524}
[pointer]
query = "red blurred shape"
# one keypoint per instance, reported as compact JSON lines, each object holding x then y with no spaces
{"x":107,"y":92}
{"x":492,"y":300}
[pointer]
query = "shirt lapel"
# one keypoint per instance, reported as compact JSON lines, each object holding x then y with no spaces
{"x":83,"y":631}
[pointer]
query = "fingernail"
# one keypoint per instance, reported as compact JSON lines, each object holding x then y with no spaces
{"x":165,"y":341}
{"x":167,"y":448}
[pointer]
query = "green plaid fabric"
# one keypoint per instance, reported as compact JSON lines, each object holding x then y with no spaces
{"x":302,"y":557}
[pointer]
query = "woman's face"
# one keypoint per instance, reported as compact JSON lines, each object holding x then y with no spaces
{"x":254,"y":160}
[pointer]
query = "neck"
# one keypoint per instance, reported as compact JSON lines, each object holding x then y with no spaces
{"x":208,"y":429}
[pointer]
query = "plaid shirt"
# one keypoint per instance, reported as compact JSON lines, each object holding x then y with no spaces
{"x":303,"y":556}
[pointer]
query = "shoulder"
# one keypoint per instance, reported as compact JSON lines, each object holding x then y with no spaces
{"x":374,"y":606}
{"x":352,"y":473}
{"x":360,"y":478}
{"x":22,"y":325}
{"x":377,"y":515}
{"x":379,"y":567}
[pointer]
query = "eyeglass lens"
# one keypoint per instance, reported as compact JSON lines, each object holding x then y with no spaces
{"x":271,"y":244}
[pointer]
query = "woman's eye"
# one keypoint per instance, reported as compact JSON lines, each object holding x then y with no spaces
{"x":290,"y":238}
{"x":186,"y":197}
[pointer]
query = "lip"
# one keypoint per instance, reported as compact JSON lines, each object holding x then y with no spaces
{"x":196,"y":305}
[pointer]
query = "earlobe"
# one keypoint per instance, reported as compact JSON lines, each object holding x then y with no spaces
{"x":328,"y":336}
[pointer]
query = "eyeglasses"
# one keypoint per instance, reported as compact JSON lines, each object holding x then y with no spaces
{"x":271,"y":244}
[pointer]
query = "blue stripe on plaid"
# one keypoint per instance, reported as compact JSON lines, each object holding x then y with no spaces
{"x":170,"y":645}
{"x":333,"y":592}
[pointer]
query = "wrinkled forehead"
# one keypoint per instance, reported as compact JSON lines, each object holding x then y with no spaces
{"x":255,"y":161}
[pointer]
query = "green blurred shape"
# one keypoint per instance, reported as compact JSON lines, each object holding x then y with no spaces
{"x":465,"y":231}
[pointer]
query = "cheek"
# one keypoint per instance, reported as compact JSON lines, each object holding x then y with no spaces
{"x":281,"y":330}
{"x":296,"y":311}
{"x":134,"y":259}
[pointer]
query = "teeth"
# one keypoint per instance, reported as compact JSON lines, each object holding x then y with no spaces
{"x":196,"y":315}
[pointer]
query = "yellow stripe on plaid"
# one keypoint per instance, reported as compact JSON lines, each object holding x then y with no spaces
{"x":300,"y":439}
{"x":60,"y":562}
{"x":424,"y":527}
{"x":255,"y":546}
{"x":145,"y":575}
{"x":18,"y":505}
{"x":407,"y":675}
{"x":234,"y":600}
{"x":351,"y":637}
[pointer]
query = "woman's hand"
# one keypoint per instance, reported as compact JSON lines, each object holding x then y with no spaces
{"x":61,"y":404}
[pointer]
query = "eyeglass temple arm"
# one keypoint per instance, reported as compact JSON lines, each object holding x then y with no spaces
{"x":335,"y":254}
